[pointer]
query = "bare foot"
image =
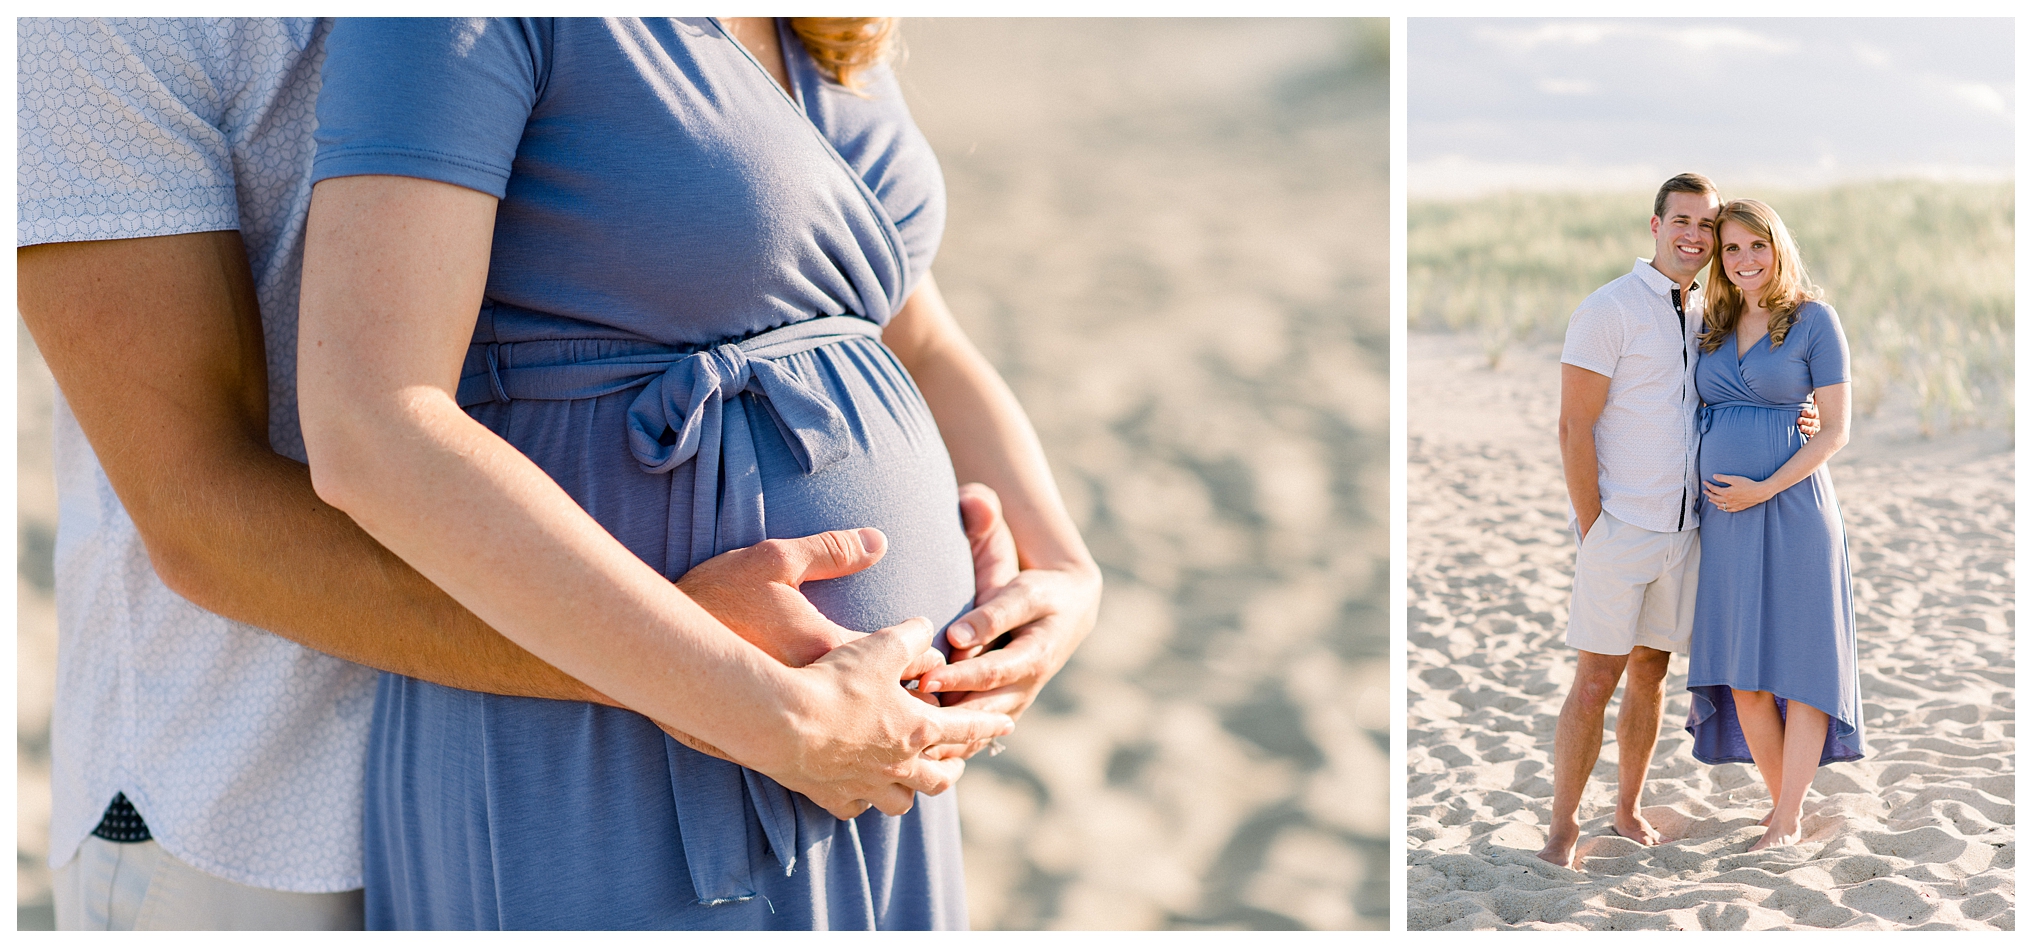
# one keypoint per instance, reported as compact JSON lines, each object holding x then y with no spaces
{"x":1635,"y":828}
{"x":1777,"y":835}
{"x":1766,"y":821}
{"x":1559,"y":844}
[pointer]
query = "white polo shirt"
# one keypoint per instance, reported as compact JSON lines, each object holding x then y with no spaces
{"x":244,"y":752}
{"x":1647,"y":442}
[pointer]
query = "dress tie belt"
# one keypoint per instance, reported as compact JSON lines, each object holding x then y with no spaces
{"x":689,"y":409}
{"x":1707,"y":411}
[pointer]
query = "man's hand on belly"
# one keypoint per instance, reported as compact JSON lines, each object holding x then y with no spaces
{"x":754,"y":590}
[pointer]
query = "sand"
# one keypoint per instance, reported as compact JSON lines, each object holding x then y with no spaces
{"x":1920,"y":834}
{"x":1170,"y":237}
{"x":35,"y":630}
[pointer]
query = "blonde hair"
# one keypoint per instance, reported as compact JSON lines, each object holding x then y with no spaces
{"x":846,"y":46}
{"x":1788,"y":288}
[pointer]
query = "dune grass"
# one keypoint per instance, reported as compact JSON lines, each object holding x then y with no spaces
{"x":1921,"y":272}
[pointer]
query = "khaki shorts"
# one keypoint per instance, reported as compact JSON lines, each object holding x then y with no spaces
{"x":1631,"y":587}
{"x":111,"y":886}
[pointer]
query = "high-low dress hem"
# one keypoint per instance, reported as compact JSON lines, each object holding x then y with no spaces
{"x":1711,"y":701}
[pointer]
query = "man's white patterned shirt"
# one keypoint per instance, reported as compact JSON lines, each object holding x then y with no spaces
{"x":244,"y":752}
{"x":1647,"y":441}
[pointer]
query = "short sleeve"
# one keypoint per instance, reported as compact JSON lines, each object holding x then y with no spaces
{"x":1827,"y":347}
{"x":119,"y":132}
{"x":1595,"y":337}
{"x":440,"y":99}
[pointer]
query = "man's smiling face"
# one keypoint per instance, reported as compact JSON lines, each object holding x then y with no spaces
{"x":1685,"y":235}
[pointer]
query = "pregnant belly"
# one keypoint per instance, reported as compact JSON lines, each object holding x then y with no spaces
{"x":1748,"y":441}
{"x":927,"y":569}
{"x":898,"y":479}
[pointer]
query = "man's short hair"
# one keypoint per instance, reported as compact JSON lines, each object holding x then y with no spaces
{"x":1688,"y":183}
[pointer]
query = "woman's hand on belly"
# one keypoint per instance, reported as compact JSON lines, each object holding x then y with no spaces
{"x":848,"y":718}
{"x":1012,"y":680}
{"x":993,"y":548}
{"x":1735,"y":493}
{"x":1045,"y":613}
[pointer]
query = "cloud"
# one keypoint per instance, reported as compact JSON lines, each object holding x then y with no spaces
{"x":1698,"y":39}
{"x":1708,"y":39}
{"x":1581,"y":33}
{"x":1981,"y":96}
{"x":1522,"y":104}
{"x":1458,"y":176}
{"x":1870,"y":55}
{"x":1551,"y":86}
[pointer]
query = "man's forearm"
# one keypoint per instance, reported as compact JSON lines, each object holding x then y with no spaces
{"x":1583,"y":473}
{"x":246,"y":536}
{"x":1583,"y":393}
{"x":157,"y":346}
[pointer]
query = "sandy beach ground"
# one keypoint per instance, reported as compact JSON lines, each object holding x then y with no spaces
{"x":1171,"y":238}
{"x":1921,"y":833}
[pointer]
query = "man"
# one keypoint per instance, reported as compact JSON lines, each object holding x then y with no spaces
{"x":1629,"y":446}
{"x":208,"y":774}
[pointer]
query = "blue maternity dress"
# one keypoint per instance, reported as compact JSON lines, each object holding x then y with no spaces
{"x":1773,"y":612}
{"x":690,"y":271}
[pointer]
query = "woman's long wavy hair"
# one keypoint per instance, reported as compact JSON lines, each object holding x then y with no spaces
{"x":1788,"y":288}
{"x":846,"y":46}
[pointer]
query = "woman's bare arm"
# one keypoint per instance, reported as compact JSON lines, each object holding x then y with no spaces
{"x":393,"y":274}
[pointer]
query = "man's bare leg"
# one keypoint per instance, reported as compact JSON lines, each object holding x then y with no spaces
{"x":1636,"y":738}
{"x":1575,"y":748}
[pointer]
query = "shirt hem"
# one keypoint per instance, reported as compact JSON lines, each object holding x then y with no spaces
{"x":316,"y":885}
{"x":1644,"y":523}
{"x":429,"y":166}
{"x":123,"y":216}
{"x":1606,"y":371}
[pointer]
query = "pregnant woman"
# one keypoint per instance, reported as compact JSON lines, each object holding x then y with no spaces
{"x":1773,"y":665}
{"x":587,"y":302}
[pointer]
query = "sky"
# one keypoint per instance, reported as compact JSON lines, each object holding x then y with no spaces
{"x":1601,"y":104}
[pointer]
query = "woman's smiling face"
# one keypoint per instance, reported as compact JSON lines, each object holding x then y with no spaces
{"x":1747,"y":259}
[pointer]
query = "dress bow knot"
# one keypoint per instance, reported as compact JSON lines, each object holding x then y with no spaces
{"x":679,"y":411}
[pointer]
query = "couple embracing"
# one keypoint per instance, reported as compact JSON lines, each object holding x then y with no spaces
{"x":586,"y":377}
{"x":1701,"y":397}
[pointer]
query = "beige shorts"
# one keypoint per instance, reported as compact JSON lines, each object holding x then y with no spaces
{"x":111,"y":886}
{"x":1631,"y":587}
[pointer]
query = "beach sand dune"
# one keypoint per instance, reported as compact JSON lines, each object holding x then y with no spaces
{"x":1919,"y":834}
